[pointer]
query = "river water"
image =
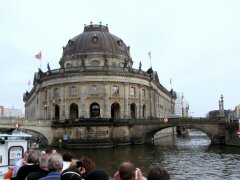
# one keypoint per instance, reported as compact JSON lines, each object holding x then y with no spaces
{"x":189,"y":157}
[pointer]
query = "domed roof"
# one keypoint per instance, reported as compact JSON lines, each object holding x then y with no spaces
{"x":96,"y":39}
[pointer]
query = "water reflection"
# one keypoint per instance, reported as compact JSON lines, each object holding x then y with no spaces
{"x":190,"y":157}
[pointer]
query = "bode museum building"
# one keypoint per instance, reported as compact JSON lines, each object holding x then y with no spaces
{"x":96,"y":82}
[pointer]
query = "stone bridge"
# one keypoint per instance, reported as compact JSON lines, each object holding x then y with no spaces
{"x":107,"y":132}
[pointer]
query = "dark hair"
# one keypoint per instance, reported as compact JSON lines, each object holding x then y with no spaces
{"x":79,"y":164}
{"x":157,"y":173}
{"x":67,"y":156}
{"x":50,"y":150}
{"x":88,"y":164}
{"x":97,"y":174}
{"x":127,"y":170}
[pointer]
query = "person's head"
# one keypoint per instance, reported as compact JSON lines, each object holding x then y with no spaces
{"x":157,"y":173}
{"x":44,"y":161}
{"x":97,"y":174}
{"x":88,"y":164}
{"x":71,"y":173}
{"x":127,"y":171}
{"x":25,"y":158}
{"x":79,"y":165}
{"x":33,"y":157}
{"x":55,"y":162}
{"x":51,"y":150}
{"x":67,"y":156}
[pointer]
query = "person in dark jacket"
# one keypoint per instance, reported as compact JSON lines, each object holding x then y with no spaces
{"x":32,"y":165}
{"x":43,"y":171}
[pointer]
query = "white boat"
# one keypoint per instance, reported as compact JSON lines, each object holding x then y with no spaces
{"x":12,"y":148}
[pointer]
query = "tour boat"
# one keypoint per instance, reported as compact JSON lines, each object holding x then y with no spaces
{"x":12,"y":148}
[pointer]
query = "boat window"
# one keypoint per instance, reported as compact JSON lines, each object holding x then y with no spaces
{"x":14,"y":154}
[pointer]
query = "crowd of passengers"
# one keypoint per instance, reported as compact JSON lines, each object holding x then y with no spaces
{"x":51,"y":165}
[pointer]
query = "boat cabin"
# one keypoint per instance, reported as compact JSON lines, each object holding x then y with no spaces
{"x":12,"y":148}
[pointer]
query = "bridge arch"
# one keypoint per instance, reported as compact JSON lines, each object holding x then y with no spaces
{"x":38,"y":137}
{"x":214,"y":131}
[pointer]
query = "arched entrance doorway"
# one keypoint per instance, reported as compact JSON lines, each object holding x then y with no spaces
{"x":144,"y":111}
{"x":57,"y":112}
{"x":115,"y":111}
{"x":133,"y":111}
{"x":73,"y":111}
{"x":94,"y":110}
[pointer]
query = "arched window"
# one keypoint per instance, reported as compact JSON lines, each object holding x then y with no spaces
{"x":94,"y":110}
{"x":144,"y":111}
{"x":57,"y":112}
{"x":73,"y":111}
{"x":133,"y":111}
{"x":115,"y":111}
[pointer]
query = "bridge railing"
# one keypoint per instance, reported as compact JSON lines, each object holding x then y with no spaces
{"x":24,"y":122}
{"x":106,"y":121}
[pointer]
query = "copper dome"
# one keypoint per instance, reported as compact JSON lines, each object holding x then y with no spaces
{"x":96,"y":39}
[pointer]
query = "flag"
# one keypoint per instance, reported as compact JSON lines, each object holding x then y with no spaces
{"x":29,"y":82}
{"x":171,"y":81}
{"x":39,"y":55}
{"x":149,"y":54}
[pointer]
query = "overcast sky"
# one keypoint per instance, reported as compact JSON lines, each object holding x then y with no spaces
{"x":196,"y":43}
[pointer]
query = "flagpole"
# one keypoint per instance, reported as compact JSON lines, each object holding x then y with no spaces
{"x":39,"y":57}
{"x":171,"y":82}
{"x":149,"y":54}
{"x":41,"y":64}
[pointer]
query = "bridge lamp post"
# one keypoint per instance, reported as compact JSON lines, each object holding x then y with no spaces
{"x":182,"y":106}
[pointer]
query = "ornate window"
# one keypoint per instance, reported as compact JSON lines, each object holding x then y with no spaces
{"x":56,"y":93}
{"x":94,"y":90}
{"x":115,"y":90}
{"x":132,"y":91}
{"x":68,"y":65}
{"x":120,"y":42}
{"x":95,"y":63}
{"x":143,"y":93}
{"x":73,"y":91}
{"x":70,"y":43}
{"x":45,"y":95}
{"x":95,"y":39}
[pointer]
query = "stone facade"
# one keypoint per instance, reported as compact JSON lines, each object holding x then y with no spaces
{"x":96,"y":81}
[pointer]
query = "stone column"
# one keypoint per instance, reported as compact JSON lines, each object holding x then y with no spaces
{"x":106,"y":102}
{"x":82,"y":107}
{"x":150,"y":101}
{"x":66,"y":105}
{"x":126,"y":101}
{"x":140,"y":103}
{"x":62,"y":102}
{"x":49,"y":104}
{"x":39,"y":105}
